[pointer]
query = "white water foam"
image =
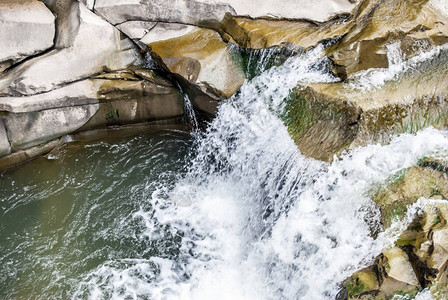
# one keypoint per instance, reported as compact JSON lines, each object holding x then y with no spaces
{"x":258,"y":220}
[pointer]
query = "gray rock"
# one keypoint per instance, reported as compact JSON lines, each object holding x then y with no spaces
{"x":196,"y":11}
{"x":75,"y":94}
{"x":26,"y":130}
{"x":27,"y":28}
{"x":136,"y":29}
{"x":5,"y":148}
{"x":85,"y":105}
{"x":96,"y":46}
{"x":88,"y":3}
{"x":182,"y":11}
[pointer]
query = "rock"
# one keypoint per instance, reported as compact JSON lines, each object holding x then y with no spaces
{"x":89,"y":104}
{"x":234,"y":20}
{"x":198,"y":54}
{"x":193,"y":12}
{"x":268,"y":32}
{"x":136,"y":29}
{"x":399,"y":268}
{"x":183,"y":11}
{"x":345,"y":115}
{"x":391,"y":274}
{"x":96,"y":46}
{"x":26,"y":130}
{"x":377,"y":24}
{"x":5,"y":147}
{"x":411,"y":185}
{"x":88,"y":3}
{"x":440,"y":5}
{"x":27,"y":29}
{"x":319,"y":10}
{"x":420,"y":256}
{"x":125,"y":102}
{"x":25,"y":155}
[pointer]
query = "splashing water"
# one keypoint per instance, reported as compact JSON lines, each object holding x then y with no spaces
{"x":255,"y":218}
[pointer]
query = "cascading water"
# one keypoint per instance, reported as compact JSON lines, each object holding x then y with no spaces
{"x":244,"y":216}
{"x":255,"y":218}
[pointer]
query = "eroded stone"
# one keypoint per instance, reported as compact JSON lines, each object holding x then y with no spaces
{"x":96,"y":46}
{"x":5,"y":148}
{"x":27,"y":29}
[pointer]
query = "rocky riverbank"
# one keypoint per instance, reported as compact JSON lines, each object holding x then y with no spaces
{"x":81,"y":69}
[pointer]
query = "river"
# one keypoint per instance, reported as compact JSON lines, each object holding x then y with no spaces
{"x":234,"y":212}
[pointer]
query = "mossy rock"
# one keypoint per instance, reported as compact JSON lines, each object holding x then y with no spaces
{"x":326,"y":118}
{"x":362,"y":284}
{"x":415,"y":183}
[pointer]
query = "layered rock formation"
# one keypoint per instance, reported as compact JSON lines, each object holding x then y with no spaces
{"x":27,"y":29}
{"x":71,"y":66}
{"x":418,"y":258}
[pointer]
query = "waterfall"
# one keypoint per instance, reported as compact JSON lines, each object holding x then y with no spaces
{"x":253,"y":217}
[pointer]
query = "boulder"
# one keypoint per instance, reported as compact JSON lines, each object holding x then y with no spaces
{"x":377,"y":24}
{"x":419,"y":258}
{"x":391,"y":274}
{"x":27,"y":29}
{"x":30,"y":129}
{"x":5,"y":147}
{"x":197,"y":54}
{"x":399,"y":268}
{"x":325,"y":119}
{"x":96,"y":46}
{"x":88,"y":3}
{"x":194,"y":12}
{"x":268,"y":32}
{"x":318,"y":10}
{"x":183,"y":11}
{"x":26,"y":155}
{"x":109,"y":99}
{"x":136,"y":30}
{"x":406,"y":188}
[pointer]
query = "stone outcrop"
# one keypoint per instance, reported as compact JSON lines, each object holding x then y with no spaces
{"x":173,"y":33}
{"x":194,"y":12}
{"x":27,"y":28}
{"x":414,"y":24}
{"x":343,"y":115}
{"x":112,"y":99}
{"x":418,"y":259}
{"x":96,"y":46}
{"x":199,"y":55}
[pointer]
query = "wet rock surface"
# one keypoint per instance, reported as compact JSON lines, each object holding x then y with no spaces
{"x":416,"y":199}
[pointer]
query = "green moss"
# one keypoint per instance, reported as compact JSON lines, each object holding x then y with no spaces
{"x":355,"y":286}
{"x":253,"y":62}
{"x":113,"y":114}
{"x":417,"y":223}
{"x":437,"y":220}
{"x":299,"y":116}
{"x":398,"y":178}
{"x":394,"y":212}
